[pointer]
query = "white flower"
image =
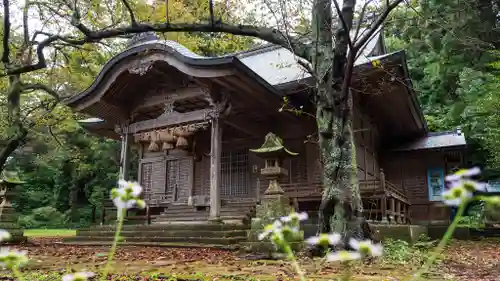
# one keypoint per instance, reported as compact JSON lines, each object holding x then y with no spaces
{"x":295,"y":217}
{"x":324,"y":239}
{"x":12,"y":258}
{"x":456,"y":195}
{"x":121,"y":204}
{"x":127,"y":195}
{"x":463,"y":173}
{"x":130,"y":187}
{"x":80,"y":276}
{"x":343,"y":256}
{"x":366,"y":247}
{"x":472,"y":186}
{"x":271,"y":229}
{"x":4,"y":235}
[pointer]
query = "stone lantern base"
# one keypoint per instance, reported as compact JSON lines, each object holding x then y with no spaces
{"x":271,"y":208}
{"x":8,"y":222}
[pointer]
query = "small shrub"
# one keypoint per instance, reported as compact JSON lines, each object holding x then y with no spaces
{"x":44,"y":217}
{"x":401,"y":252}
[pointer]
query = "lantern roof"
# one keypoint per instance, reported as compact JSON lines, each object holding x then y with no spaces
{"x":10,"y":177}
{"x":273,"y":146}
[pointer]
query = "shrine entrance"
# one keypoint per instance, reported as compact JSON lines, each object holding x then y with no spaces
{"x":178,"y":183}
{"x":167,"y":179}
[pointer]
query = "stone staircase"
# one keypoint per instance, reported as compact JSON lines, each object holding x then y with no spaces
{"x":215,"y":235}
{"x":231,"y":212}
{"x":179,"y":226}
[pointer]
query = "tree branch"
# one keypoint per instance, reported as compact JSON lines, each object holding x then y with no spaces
{"x":344,"y":23}
{"x":211,"y":10}
{"x":6,"y":33}
{"x":130,"y":12}
{"x":376,"y":24}
{"x":26,"y":33}
{"x":45,"y":88}
{"x":11,"y":146}
{"x":268,"y":34}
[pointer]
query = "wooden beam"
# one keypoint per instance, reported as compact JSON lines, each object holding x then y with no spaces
{"x":172,"y":96}
{"x":170,"y":119}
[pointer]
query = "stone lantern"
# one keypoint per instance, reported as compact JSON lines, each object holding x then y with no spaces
{"x":8,"y":215}
{"x":273,"y":152}
{"x":274,"y":204}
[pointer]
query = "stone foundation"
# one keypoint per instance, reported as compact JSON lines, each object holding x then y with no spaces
{"x":8,"y":222}
{"x":408,"y":233}
{"x":272,"y":207}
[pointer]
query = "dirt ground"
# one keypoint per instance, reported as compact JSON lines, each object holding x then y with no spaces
{"x":463,"y":260}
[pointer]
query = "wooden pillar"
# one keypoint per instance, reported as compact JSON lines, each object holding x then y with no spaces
{"x":383,"y":202}
{"x":148,"y":215}
{"x":398,"y":216}
{"x":392,"y":212}
{"x":215,"y":176}
{"x":383,"y":209}
{"x":125,"y":156}
{"x":103,"y":215}
{"x":407,"y":214}
{"x":257,"y":190}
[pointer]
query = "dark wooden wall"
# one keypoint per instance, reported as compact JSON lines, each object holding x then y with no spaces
{"x":304,"y":169}
{"x":408,"y":170}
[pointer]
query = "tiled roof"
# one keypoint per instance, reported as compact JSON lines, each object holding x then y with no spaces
{"x":275,"y":64}
{"x":436,"y":140}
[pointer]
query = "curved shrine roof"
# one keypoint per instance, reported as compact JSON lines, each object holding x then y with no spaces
{"x":270,"y":66}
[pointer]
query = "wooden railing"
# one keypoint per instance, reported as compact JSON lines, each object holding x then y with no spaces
{"x":383,"y":201}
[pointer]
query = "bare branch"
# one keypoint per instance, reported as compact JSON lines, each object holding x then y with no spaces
{"x":45,"y":88}
{"x":376,"y":24}
{"x":307,"y":66}
{"x":361,"y":17}
{"x":268,"y":34}
{"x":130,"y":12}
{"x":344,"y":23}
{"x":12,"y":144}
{"x":25,"y":24}
{"x":51,"y":132}
{"x":6,"y":33}
{"x":211,"y":9}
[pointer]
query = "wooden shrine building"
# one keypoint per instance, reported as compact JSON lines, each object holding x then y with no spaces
{"x":194,"y":119}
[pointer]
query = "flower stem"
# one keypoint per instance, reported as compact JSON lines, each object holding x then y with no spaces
{"x":293,"y":260}
{"x":446,"y":237}
{"x":112,"y":251}
{"x":17,"y":273}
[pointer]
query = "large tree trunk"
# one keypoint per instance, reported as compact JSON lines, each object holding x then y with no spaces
{"x":340,"y":209}
{"x":16,"y":132}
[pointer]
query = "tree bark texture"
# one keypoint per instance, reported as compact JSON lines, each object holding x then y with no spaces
{"x":341,"y":208}
{"x":16,"y":132}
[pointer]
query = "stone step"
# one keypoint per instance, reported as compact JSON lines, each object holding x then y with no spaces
{"x":165,"y":233}
{"x":155,"y":244}
{"x":224,"y":207}
{"x":159,"y":227}
{"x":203,"y":240}
{"x":200,"y":217}
{"x":222,"y":211}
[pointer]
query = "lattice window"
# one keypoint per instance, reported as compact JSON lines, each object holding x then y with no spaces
{"x":146,"y":180}
{"x":234,"y":173}
{"x":172,"y":178}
